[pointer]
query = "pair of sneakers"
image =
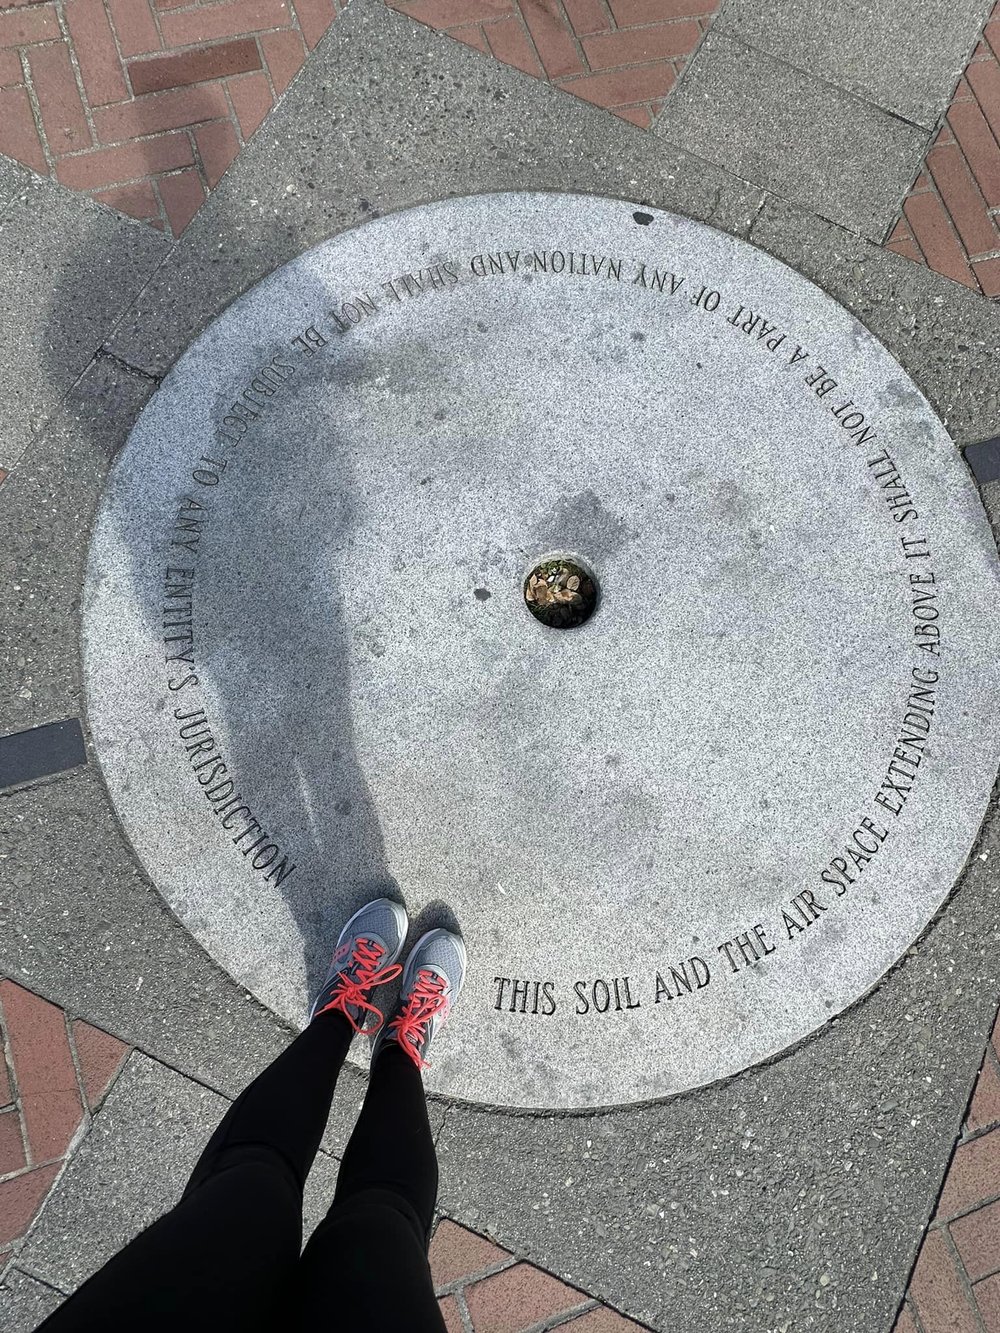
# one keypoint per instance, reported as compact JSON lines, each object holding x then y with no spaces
{"x":366,"y":958}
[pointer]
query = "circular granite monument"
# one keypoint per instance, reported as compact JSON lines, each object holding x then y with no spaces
{"x":679,"y":833}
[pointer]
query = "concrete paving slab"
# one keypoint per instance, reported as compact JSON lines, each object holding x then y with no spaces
{"x":14,"y":180}
{"x":25,"y":1302}
{"x":946,"y":336}
{"x":827,"y":1161}
{"x":46,"y":508}
{"x":902,"y":55}
{"x":792,"y":133}
{"x":131,"y":1168}
{"x":70,"y":267}
{"x":387,"y":114}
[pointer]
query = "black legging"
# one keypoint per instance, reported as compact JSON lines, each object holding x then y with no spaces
{"x":227,"y":1255}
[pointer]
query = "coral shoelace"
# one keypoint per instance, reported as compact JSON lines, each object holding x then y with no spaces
{"x":425,"y":1000}
{"x":360,"y":975}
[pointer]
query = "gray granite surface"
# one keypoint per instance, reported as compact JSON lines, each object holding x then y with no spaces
{"x":796,"y":573}
{"x":25,"y":1302}
{"x":805,"y":139}
{"x":902,"y":55}
{"x":69,"y":268}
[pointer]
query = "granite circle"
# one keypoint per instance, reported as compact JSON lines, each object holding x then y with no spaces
{"x":681,"y":837}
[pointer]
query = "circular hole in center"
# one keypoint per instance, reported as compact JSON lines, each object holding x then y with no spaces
{"x":560,"y":593}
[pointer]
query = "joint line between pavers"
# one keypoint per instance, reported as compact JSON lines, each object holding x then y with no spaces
{"x":963,"y":1276}
{"x":37,"y":1277}
{"x":103,"y":354}
{"x":470,"y":1279}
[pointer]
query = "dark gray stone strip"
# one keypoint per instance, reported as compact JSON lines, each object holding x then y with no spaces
{"x":984,"y":460}
{"x":41,"y":751}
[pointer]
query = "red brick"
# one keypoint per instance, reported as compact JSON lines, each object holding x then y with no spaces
{"x":156,"y":73}
{"x":553,"y":41}
{"x":623,"y":86}
{"x":637,"y":115}
{"x":251,"y":98}
{"x":451,"y":1315}
{"x":974,"y":1175}
{"x":96,"y":53}
{"x":231,"y":18}
{"x":987,"y":1295}
{"x":6,"y":1091}
{"x":510,"y":43}
{"x":284,"y":55}
{"x":175,"y":109}
{"x":134,"y":26}
{"x":456,"y":1253}
{"x":587,"y":16}
{"x":218,"y":145}
{"x":99,"y":1054}
{"x":936,"y":1290}
{"x":988,"y":273}
{"x":516,"y":1298}
{"x":21,"y":27}
{"x":63,"y":118}
{"x":138,"y":200}
{"x":44,"y":1071}
{"x":905,"y":1323}
{"x":18,"y":132}
{"x":985,"y":1108}
{"x":314,"y":16}
{"x":11,"y":1143}
{"x":629,"y":12}
{"x":977,"y":1238}
{"x":963,"y":200}
{"x":641,"y":46}
{"x":900,"y":232}
{"x":963,"y":93}
{"x":472,"y":35}
{"x":11,"y":72}
{"x":108,"y":166}
{"x":4,"y":474}
{"x":21,"y":1198}
{"x":937,"y":238}
{"x":449,"y":13}
{"x":182,"y":196}
{"x":923,"y":182}
{"x":602,"y":1320}
{"x":908,"y":249}
{"x":985,"y":81}
{"x":992,"y":35}
{"x":979,"y":146}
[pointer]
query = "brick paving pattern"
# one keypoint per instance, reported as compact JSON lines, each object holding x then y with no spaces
{"x":484,"y":1289}
{"x":623,"y":55}
{"x":949,"y":219}
{"x":54,"y":1074}
{"x":143,"y":104}
{"x":955,"y":1286}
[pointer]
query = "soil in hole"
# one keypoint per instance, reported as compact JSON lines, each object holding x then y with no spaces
{"x":560,"y":594}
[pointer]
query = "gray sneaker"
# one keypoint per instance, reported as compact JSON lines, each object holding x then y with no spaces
{"x":435,"y":973}
{"x":365,"y":957}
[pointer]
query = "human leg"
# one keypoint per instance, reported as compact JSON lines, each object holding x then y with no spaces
{"x":224,"y":1255}
{"x":368,"y":1258}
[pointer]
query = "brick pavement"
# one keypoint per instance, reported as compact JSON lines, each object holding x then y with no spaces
{"x":949,"y":219}
{"x":623,"y":55}
{"x":955,"y":1287}
{"x":54,"y":1074}
{"x":143,"y":104}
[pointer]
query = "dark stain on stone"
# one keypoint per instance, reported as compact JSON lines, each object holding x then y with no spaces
{"x":482,"y":594}
{"x":643,"y":219}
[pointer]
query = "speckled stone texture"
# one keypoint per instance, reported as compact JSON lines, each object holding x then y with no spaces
{"x":311,"y":677}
